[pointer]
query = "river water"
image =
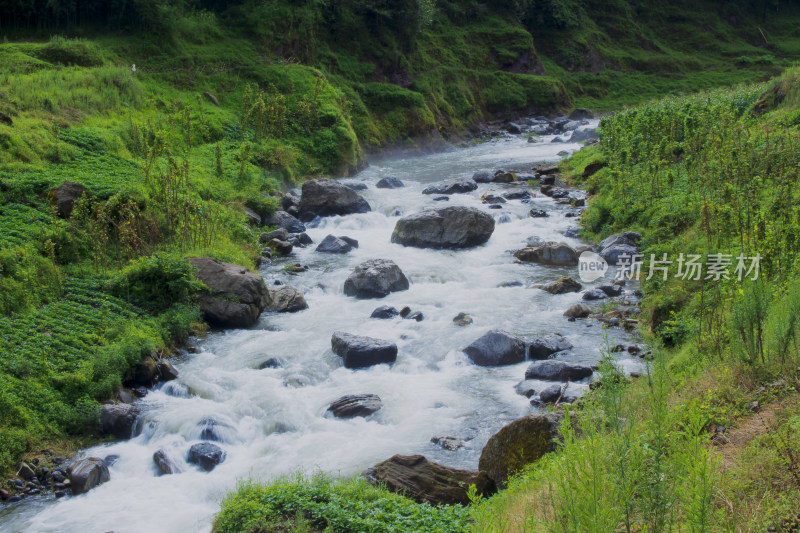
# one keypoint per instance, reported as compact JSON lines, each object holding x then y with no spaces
{"x":272,"y":422}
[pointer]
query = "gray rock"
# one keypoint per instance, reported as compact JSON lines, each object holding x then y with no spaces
{"x":448,"y":443}
{"x":453,"y":186}
{"x":594,"y":294}
{"x":548,"y":253}
{"x":578,"y":311}
{"x":416,"y":315}
{"x":611,"y":290}
{"x":389,"y":182}
{"x":166,"y":371}
{"x":355,"y":405}
{"x":335,"y":245}
{"x":581,"y":113}
{"x":375,"y":279}
{"x":281,"y":247}
{"x":551,"y":370}
{"x":514,"y":128}
{"x":584,"y":134}
{"x":361,"y":352}
{"x":285,"y":299}
{"x":86,"y":474}
{"x":496,"y":348}
{"x":284,"y":220}
{"x":462,"y":319}
{"x":272,"y":362}
{"x":547,"y":345}
{"x":483,"y":176}
{"x":118,"y":420}
{"x":525,"y":388}
{"x":164,"y":464}
{"x":384,"y":312}
{"x":562,"y":285}
{"x":253,"y":218}
{"x":206,"y":455}
{"x":64,"y":197}
{"x":538,"y":213}
{"x":236,"y":296}
{"x":449,"y":227}
{"x":631,"y":238}
{"x":326,"y":197}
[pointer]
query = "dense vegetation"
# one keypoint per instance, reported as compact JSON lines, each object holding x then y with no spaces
{"x":178,"y":114}
{"x":343,"y":506}
{"x":704,"y":174}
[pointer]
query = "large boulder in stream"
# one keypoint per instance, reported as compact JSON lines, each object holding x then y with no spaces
{"x":454,"y":186}
{"x":548,"y":253}
{"x":236,"y":296}
{"x":496,"y":348}
{"x":518,"y":444}
{"x":424,"y":481}
{"x":285,"y":299}
{"x":449,"y":227}
{"x":86,"y":474}
{"x":118,"y":419}
{"x":325,"y":197}
{"x":361,"y":352}
{"x":375,"y":278}
{"x":354,"y":405}
{"x":164,"y":463}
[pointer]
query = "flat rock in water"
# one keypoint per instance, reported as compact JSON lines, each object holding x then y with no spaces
{"x":454,"y":186}
{"x":426,"y":481}
{"x":354,"y":405}
{"x":450,"y":228}
{"x":361,"y":352}
{"x":594,"y":294}
{"x":375,"y":279}
{"x":548,"y":253}
{"x":562,"y":285}
{"x":496,"y":348}
{"x":557,"y":371}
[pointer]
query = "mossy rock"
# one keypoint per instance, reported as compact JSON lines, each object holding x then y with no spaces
{"x":518,"y":444}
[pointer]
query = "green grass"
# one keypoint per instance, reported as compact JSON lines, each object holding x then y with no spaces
{"x":337,"y":506}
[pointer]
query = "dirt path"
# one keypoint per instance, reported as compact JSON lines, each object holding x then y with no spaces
{"x":748,"y":428}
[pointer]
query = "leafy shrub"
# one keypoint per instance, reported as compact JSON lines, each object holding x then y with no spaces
{"x":339,"y":506}
{"x":156,"y":282}
{"x":26,"y":280}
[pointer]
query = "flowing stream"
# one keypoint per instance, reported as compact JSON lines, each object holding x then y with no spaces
{"x":272,"y":422}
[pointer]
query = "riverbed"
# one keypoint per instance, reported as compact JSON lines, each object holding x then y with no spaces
{"x":272,"y":422}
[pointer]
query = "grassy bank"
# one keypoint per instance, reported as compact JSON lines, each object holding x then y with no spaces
{"x":707,"y":441}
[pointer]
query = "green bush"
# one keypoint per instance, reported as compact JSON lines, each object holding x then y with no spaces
{"x":27,"y":280}
{"x":156,"y":282}
{"x":337,"y":506}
